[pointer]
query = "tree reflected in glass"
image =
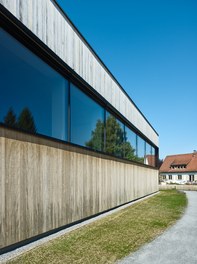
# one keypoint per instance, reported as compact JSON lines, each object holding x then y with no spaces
{"x":96,"y":142}
{"x":24,"y":122}
{"x":10,"y":118}
{"x":114,"y":136}
{"x":116,"y":140}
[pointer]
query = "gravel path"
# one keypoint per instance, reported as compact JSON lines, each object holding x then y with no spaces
{"x":12,"y":254}
{"x":178,"y":245}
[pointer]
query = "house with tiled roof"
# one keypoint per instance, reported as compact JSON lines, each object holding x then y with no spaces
{"x":180,"y":168}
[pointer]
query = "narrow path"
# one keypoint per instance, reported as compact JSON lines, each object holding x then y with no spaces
{"x":178,"y":245}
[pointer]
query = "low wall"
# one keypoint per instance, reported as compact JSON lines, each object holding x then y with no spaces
{"x":45,"y":184}
{"x":184,"y":187}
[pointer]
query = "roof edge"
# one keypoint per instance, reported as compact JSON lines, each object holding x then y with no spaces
{"x":191,"y":153}
{"x":173,"y":172}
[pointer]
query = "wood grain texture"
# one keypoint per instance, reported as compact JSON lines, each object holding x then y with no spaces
{"x":2,"y":192}
{"x":48,"y":23}
{"x":44,"y":187}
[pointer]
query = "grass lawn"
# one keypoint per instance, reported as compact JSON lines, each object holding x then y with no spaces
{"x":113,"y":237}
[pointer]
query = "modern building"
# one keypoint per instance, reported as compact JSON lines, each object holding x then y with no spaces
{"x":181,"y":168}
{"x":72,"y":142}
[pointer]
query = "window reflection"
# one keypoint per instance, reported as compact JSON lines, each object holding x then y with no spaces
{"x":34,"y":98}
{"x":140,"y":149}
{"x":87,"y":120}
{"x":33,"y":95}
{"x":150,"y":155}
{"x":114,"y":136}
{"x":130,"y":144}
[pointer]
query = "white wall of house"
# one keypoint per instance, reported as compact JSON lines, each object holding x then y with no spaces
{"x":179,"y":176}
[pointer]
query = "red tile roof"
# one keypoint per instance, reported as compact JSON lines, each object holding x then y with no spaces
{"x":180,"y":163}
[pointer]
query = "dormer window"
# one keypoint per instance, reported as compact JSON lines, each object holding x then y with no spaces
{"x":180,"y":166}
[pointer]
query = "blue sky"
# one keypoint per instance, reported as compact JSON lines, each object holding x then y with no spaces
{"x":151,"y":49}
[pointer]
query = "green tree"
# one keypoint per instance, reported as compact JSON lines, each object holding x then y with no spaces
{"x":10,"y":118}
{"x":26,"y":121}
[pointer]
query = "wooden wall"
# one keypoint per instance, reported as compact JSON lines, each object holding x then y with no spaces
{"x":45,"y":184}
{"x":47,"y":22}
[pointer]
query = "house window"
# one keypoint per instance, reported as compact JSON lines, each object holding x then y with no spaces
{"x":191,"y":178}
{"x":164,"y":177}
{"x":179,"y":177}
{"x":170,"y":177}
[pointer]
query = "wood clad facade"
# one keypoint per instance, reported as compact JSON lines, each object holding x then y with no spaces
{"x":45,"y":185}
{"x":52,"y":27}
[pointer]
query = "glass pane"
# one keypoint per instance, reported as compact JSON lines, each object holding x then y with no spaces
{"x":150,"y":157}
{"x":87,"y":120}
{"x":130,"y":144}
{"x":33,"y":95}
{"x":154,"y":163}
{"x":114,"y":136}
{"x":140,"y":149}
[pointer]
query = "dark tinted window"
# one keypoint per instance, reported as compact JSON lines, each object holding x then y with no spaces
{"x":154,"y":157}
{"x":130,"y":144}
{"x":114,"y":136}
{"x":140,"y":149}
{"x":150,"y":156}
{"x":87,"y":120}
{"x":33,"y":95}
{"x":34,"y":98}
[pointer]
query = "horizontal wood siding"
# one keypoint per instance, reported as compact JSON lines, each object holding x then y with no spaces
{"x":43,"y":187}
{"x":48,"y":23}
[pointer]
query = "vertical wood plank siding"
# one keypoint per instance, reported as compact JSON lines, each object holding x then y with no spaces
{"x":48,"y":23}
{"x":43,"y":187}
